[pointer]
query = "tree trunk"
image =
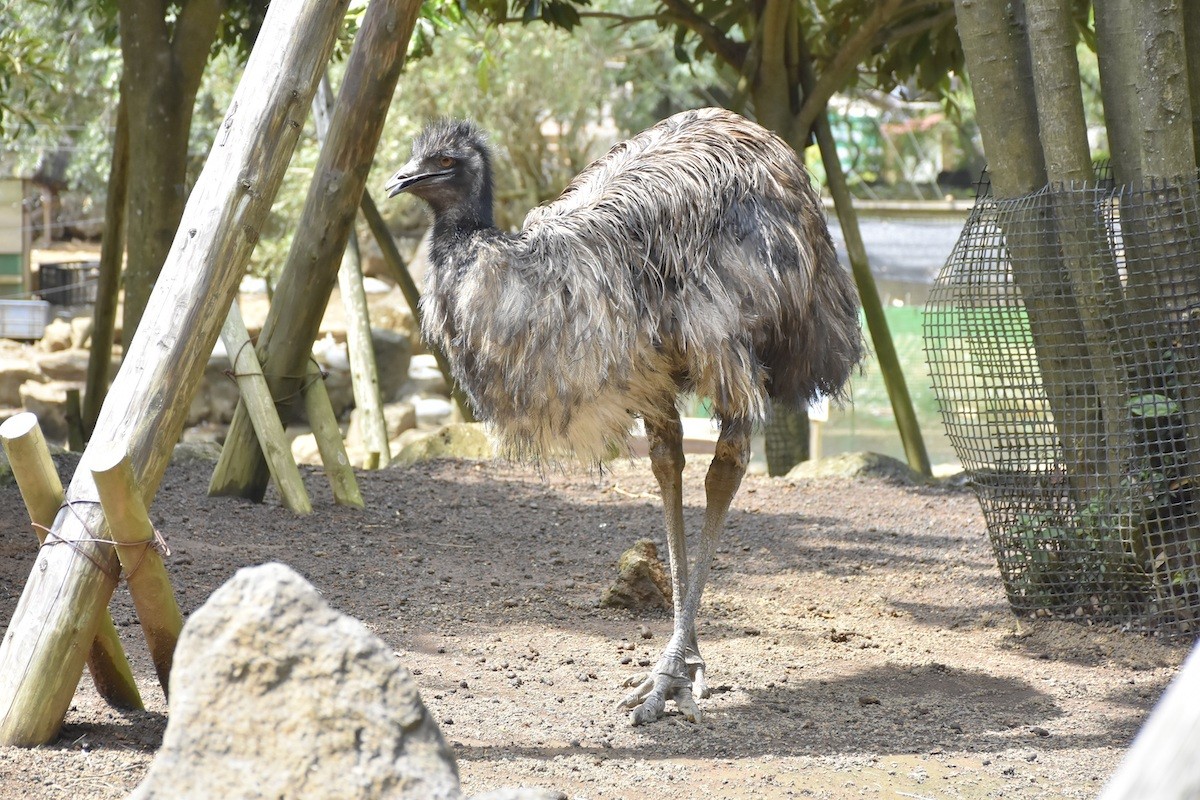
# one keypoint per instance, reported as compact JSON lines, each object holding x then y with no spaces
{"x":163,"y":66}
{"x":1191,"y":38}
{"x":1163,"y":283}
{"x":1117,"y":52}
{"x":41,"y":654}
{"x":310,"y":272}
{"x":108,"y":285}
{"x":1082,"y":243}
{"x":998,"y":62}
{"x":1168,"y":150}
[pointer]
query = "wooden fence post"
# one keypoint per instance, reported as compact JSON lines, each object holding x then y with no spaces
{"x":41,"y":655}
{"x":256,"y":396}
{"x":329,"y":439}
{"x":42,"y":492}
{"x":141,"y":562}
{"x":364,"y":372}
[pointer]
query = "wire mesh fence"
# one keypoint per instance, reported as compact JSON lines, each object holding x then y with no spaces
{"x":1063,"y":337}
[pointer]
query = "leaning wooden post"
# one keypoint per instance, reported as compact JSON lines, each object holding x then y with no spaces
{"x":257,"y":397}
{"x":329,"y":439}
{"x":364,"y":372}
{"x":363,"y":369}
{"x":42,"y":492}
{"x":41,"y":655}
{"x":136,"y":538}
{"x":1161,"y":763}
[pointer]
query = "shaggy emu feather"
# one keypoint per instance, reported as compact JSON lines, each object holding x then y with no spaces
{"x":693,"y":257}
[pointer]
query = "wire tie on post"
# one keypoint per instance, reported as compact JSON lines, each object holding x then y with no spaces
{"x":157,"y":541}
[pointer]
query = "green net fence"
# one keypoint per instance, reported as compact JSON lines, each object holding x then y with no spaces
{"x":1063,"y":337}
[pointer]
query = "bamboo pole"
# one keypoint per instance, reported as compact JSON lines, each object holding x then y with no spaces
{"x":42,"y":492}
{"x":395,"y":263}
{"x":310,"y":272}
{"x":130,"y":527}
{"x":329,"y":439}
{"x":41,"y":657}
{"x":256,"y":396}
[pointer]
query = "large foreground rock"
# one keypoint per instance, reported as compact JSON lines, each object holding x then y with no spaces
{"x":275,"y":695}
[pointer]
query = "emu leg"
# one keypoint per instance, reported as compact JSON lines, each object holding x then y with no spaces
{"x":679,"y":674}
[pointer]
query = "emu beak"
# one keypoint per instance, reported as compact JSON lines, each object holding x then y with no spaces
{"x":402,"y":180}
{"x":409,"y":176}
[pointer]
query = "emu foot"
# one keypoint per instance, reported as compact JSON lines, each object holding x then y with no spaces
{"x":679,"y":678}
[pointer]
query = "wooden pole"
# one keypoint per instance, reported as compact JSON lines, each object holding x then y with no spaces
{"x":310,"y":273}
{"x":130,"y":527}
{"x":329,"y":439}
{"x":364,"y":373}
{"x":42,"y":492}
{"x":41,"y":657}
{"x":256,"y":395}
{"x":74,"y":413}
{"x":877,"y":324}
{"x":108,"y":284}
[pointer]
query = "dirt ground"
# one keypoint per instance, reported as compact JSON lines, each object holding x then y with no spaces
{"x":856,"y":633}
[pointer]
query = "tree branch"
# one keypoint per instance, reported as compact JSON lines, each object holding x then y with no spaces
{"x":195,"y":29}
{"x":726,"y":49}
{"x":920,"y":25}
{"x":844,"y":63}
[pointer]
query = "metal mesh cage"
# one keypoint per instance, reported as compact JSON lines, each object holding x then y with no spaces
{"x":1063,"y":337}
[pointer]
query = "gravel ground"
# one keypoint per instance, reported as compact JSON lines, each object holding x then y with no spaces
{"x":856,"y":633}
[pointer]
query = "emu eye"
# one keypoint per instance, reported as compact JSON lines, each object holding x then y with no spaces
{"x":446,"y":161}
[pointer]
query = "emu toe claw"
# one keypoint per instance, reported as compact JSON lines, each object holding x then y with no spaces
{"x":674,"y":679}
{"x":648,"y":700}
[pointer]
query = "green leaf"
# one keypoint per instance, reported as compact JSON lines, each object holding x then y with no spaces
{"x":1152,"y":405}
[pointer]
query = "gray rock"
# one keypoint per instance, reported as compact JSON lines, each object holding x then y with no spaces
{"x":274,"y":694}
{"x":217,"y":396}
{"x":68,"y":365}
{"x":425,"y":377}
{"x":57,"y":336}
{"x":81,"y":332}
{"x":642,"y":581}
{"x":467,"y":440}
{"x":393,"y":354}
{"x":399,"y":417}
{"x":204,"y":452}
{"x":13,"y":373}
{"x":858,"y":465}
{"x":49,"y":402}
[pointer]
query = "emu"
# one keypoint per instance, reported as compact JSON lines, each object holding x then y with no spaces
{"x":693,"y":257}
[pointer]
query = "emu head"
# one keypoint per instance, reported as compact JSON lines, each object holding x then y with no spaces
{"x":451,"y":170}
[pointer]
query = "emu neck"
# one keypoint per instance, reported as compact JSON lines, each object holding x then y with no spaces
{"x":454,"y":225}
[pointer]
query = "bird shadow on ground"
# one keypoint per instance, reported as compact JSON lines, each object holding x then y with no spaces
{"x":880,"y":710}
